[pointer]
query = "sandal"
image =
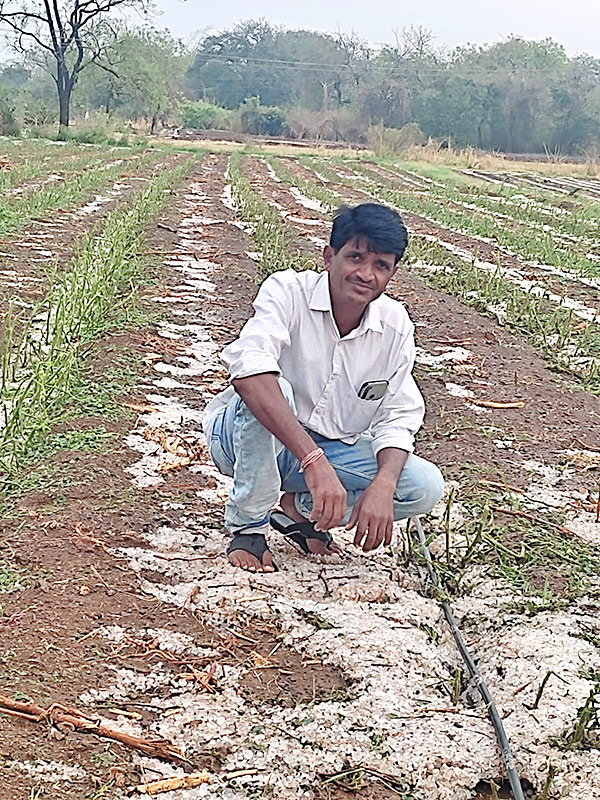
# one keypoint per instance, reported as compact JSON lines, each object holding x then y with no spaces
{"x":253,"y":543}
{"x":299,"y":532}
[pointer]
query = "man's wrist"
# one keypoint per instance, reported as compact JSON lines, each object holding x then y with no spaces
{"x":385,"y":480}
{"x":318,"y":464}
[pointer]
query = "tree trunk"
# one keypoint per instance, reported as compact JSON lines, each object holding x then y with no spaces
{"x":325,"y":95}
{"x":65,"y":87}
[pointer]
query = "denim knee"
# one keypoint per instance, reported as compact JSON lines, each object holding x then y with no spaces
{"x":433,"y":488}
{"x":426,"y":492}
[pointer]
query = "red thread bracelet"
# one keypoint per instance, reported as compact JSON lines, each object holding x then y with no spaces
{"x":311,"y":457}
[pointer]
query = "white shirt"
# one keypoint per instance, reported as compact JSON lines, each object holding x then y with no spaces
{"x":293,"y":333}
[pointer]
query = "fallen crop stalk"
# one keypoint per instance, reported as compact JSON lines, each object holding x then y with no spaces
{"x":515,"y":512}
{"x":513,"y":775}
{"x":77,"y":720}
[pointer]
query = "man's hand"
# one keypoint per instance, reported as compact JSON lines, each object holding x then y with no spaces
{"x":328,"y":495}
{"x":373,"y":515}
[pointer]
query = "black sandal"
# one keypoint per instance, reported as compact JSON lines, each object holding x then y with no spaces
{"x":253,"y":543}
{"x":299,"y":532}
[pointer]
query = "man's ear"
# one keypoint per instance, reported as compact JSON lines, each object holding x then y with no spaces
{"x":328,"y":254}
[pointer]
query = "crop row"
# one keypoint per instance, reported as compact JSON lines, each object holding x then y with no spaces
{"x":56,"y":166}
{"x":533,"y":245}
{"x":566,"y":342}
{"x":41,"y":353}
{"x":541,"y":201}
{"x":268,"y":230}
{"x":547,"y":274}
{"x":17,"y":212}
{"x":575,"y":227}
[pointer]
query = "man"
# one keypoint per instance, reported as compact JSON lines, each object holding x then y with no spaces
{"x":323,"y":404}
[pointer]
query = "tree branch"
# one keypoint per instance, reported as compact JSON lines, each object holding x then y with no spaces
{"x":24,"y":32}
{"x":103,"y":67}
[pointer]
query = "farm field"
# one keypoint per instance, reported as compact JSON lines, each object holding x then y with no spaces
{"x":123,"y":272}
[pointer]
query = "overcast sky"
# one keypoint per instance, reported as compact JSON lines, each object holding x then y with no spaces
{"x":574,"y":23}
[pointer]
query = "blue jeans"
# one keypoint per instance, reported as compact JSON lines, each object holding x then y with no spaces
{"x":261,"y":468}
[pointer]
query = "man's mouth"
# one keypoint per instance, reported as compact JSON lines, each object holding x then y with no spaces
{"x":363,"y":286}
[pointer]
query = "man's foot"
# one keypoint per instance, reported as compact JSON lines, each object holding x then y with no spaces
{"x":249,"y":551}
{"x":317,"y":546}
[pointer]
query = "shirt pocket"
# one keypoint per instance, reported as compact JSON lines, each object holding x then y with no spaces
{"x":357,"y":414}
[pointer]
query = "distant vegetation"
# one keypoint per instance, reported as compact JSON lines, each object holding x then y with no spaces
{"x":517,"y":95}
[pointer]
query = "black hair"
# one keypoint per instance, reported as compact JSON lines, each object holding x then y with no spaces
{"x":379,"y":226}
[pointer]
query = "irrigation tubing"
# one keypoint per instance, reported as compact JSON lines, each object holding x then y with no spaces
{"x":513,"y":775}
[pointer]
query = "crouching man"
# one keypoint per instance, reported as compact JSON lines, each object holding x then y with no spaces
{"x":323,"y":405}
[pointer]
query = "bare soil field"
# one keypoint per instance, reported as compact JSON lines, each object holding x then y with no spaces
{"x":324,"y":680}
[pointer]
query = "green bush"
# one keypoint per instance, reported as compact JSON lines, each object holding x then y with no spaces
{"x":38,"y":113}
{"x":8,"y":120}
{"x":261,"y":120}
{"x":202,"y":116}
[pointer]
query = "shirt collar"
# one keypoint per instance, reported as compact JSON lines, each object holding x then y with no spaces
{"x":320,"y":300}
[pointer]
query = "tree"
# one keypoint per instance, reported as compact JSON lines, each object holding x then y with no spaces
{"x":146,"y":76}
{"x":284,"y":68}
{"x":64,"y":36}
{"x":521,"y":74}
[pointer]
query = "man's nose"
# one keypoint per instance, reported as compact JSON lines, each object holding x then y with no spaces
{"x":366,"y":271}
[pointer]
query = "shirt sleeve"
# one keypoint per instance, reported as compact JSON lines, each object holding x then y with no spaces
{"x":400,"y":415}
{"x":258,"y":347}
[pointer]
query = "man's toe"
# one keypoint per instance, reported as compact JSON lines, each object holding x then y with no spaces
{"x":243,"y":560}
{"x":267,"y":562}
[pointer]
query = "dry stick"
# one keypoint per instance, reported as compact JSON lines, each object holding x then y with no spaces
{"x":598,"y":506}
{"x":186,"y":558}
{"x":171,"y":784}
{"x":532,"y":518}
{"x":189,"y":781}
{"x":494,"y":404}
{"x":586,"y":446}
{"x":158,"y":748}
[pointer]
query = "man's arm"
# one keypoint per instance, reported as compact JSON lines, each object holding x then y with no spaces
{"x":373,"y":513}
{"x":262,"y":395}
{"x":397,"y":420}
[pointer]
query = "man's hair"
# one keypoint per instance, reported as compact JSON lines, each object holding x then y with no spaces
{"x":378,"y":226}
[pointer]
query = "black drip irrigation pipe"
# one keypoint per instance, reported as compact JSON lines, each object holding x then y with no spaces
{"x":509,"y":761}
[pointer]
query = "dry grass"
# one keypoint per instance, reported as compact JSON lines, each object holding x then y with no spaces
{"x":256,"y":146}
{"x":471,"y":158}
{"x":467,"y":158}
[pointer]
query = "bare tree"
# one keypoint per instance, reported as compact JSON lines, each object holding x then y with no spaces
{"x":356,"y":56}
{"x":416,"y":42}
{"x":63,"y":36}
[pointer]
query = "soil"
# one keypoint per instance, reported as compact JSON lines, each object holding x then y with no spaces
{"x":63,"y":539}
{"x":68,"y":536}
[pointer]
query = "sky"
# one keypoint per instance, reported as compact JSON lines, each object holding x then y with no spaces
{"x":573,"y":23}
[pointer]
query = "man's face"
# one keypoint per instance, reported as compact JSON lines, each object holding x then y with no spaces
{"x":357,"y":276}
